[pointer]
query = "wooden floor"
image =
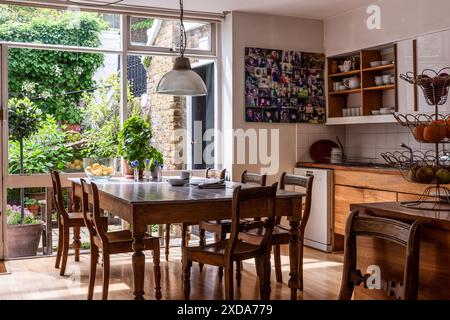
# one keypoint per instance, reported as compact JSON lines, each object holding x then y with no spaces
{"x":38,"y":279}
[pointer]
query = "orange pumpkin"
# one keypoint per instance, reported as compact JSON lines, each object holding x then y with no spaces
{"x":435,"y":131}
{"x":448,"y":128}
{"x":418,"y":133}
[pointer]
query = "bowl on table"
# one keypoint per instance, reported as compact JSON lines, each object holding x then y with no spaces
{"x":177,"y":182}
{"x":100,"y":169}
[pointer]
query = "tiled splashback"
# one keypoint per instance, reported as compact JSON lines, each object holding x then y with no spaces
{"x":307,"y":134}
{"x":362,"y":140}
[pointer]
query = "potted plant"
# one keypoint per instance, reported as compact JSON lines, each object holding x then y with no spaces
{"x":24,"y":120}
{"x":156,"y":161}
{"x":24,"y":232}
{"x":134,"y":143}
{"x":33,"y":206}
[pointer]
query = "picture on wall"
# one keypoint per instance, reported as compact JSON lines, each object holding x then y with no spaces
{"x":284,"y":86}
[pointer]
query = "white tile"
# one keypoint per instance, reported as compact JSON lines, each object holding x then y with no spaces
{"x":380,"y":141}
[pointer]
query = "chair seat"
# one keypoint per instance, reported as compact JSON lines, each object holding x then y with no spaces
{"x":216,"y":252}
{"x":76,"y":219}
{"x":280,"y":235}
{"x":122,"y":241}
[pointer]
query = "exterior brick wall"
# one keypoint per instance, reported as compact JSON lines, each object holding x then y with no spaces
{"x":168,"y":113}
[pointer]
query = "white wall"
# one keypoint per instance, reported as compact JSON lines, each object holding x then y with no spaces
{"x":264,"y":31}
{"x":400,"y":19}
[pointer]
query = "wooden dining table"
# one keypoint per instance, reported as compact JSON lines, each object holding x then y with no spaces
{"x":146,"y":203}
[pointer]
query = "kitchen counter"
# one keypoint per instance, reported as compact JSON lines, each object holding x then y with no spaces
{"x":363,"y":167}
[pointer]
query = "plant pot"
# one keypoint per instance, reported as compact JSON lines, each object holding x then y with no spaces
{"x":34,"y":209}
{"x":23,"y":240}
{"x":129,"y":172}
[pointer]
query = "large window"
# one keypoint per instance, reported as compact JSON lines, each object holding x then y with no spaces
{"x":71,"y":85}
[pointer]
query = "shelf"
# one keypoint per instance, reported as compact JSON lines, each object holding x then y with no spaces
{"x":344,"y":74}
{"x":352,"y":91}
{"x":380,"y":88}
{"x":386,"y":118}
{"x":380,"y":68}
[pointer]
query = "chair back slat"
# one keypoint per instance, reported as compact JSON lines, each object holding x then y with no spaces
{"x":262,"y":201}
{"x":259,"y":179}
{"x":57,"y":195}
{"x":92,"y":218}
{"x":305,"y":182}
{"x":215,"y":173}
{"x":403,"y":234}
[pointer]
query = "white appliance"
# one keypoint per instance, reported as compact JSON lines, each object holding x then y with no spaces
{"x":319,"y":229}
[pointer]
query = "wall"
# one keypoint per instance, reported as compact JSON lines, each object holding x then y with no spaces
{"x":255,"y":30}
{"x":400,"y":19}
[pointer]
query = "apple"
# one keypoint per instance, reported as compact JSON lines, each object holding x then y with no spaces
{"x":443,"y":176}
{"x":425,"y":174}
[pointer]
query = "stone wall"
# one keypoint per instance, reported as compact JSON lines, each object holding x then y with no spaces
{"x":168,"y":113}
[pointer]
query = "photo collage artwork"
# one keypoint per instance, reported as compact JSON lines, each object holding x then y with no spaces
{"x":284,"y":86}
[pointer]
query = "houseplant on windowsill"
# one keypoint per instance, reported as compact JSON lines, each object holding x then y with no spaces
{"x":24,"y":232}
{"x":154,"y":162}
{"x":134,"y":143}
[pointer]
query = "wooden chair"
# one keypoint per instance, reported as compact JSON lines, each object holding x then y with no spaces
{"x":66,"y":220}
{"x":209,"y":174}
{"x":395,"y":231}
{"x":280,"y":234}
{"x":110,"y":242}
{"x":221,"y":228}
{"x":226,"y":251}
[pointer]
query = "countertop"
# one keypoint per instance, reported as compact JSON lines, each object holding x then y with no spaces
{"x":363,"y":167}
{"x":394,"y":210}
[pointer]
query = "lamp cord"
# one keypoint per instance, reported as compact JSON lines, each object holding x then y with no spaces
{"x":183,"y":37}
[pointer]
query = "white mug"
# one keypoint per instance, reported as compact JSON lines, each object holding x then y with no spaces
{"x":336,"y":85}
{"x":387,"y":79}
{"x":379,"y":81}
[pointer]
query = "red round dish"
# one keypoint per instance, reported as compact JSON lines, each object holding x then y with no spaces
{"x":320,"y":151}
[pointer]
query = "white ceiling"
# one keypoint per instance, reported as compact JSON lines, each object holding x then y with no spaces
{"x":318,"y":9}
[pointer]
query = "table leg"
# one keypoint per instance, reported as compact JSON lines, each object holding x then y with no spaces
{"x":138,"y":263}
{"x":157,"y":271}
{"x":294,"y":282}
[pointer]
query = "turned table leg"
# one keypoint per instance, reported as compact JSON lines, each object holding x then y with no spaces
{"x":138,"y":263}
{"x":76,"y":245}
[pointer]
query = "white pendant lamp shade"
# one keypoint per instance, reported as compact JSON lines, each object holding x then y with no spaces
{"x":182,"y":81}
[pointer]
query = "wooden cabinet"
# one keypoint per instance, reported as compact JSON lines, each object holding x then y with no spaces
{"x":344,"y":196}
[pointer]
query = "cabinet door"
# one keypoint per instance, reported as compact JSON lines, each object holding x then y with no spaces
{"x":345,"y":196}
{"x":405,"y":63}
{"x":433,"y":51}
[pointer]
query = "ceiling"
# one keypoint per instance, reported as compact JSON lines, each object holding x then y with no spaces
{"x":318,"y":9}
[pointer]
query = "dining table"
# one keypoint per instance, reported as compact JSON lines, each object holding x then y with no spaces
{"x":145,"y":203}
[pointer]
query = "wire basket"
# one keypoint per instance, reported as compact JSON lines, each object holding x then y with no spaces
{"x":421,"y":167}
{"x":435,"y":85}
{"x":426,"y":128}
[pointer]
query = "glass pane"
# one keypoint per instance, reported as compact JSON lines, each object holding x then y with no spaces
{"x":165,"y":33}
{"x":59,"y":27}
{"x":63,"y":107}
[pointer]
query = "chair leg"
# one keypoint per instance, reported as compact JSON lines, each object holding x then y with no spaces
{"x":187,"y":278}
{"x":93,"y":271}
{"x":202,"y":242}
{"x":76,"y":243}
{"x":106,"y":269}
{"x":65,"y":250}
{"x":277,"y":256}
{"x":263,"y":265}
{"x":300,"y":263}
{"x":60,"y":246}
{"x":219,"y":237}
{"x":167,"y":241}
{"x":229,"y":290}
{"x":157,"y":270}
{"x":238,"y":273}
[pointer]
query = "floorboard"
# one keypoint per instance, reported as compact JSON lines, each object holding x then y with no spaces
{"x":38,"y":279}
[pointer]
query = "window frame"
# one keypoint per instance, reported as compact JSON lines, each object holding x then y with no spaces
{"x":43,"y":180}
